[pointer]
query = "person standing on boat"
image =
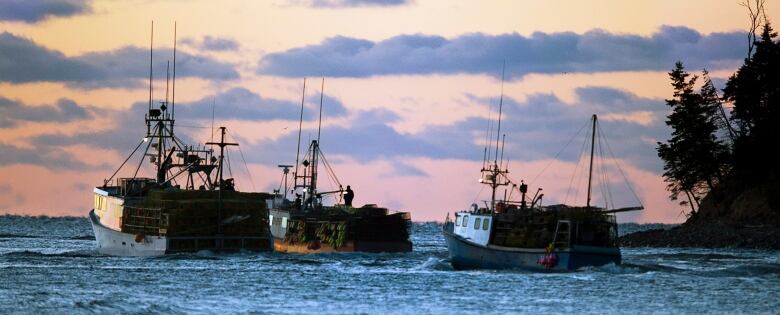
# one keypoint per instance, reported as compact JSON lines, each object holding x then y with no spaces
{"x":348,"y":196}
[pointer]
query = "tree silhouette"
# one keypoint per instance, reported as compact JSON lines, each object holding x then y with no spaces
{"x":754,"y":92}
{"x":694,"y":156}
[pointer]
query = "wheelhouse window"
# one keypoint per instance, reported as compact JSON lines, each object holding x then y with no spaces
{"x":457,"y":221}
{"x":476,"y":223}
{"x":485,"y":224}
{"x":465,"y":221}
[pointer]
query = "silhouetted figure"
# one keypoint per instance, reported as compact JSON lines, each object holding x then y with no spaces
{"x":297,"y":200}
{"x":348,"y":196}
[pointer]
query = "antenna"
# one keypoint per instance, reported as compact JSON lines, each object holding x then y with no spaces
{"x":213,"y":104}
{"x":167,"y":79}
{"x":500,"y":108}
{"x":173,"y":97}
{"x":300,"y":128}
{"x":503,"y":142}
{"x":485,"y":153}
{"x":322,"y":93}
{"x":151,"y":61}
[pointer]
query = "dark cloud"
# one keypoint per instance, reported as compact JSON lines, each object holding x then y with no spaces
{"x":212,"y":43}
{"x":593,"y":51}
{"x":538,"y":128}
{"x":240,"y":103}
{"x":12,"y":112}
{"x":37,"y":10}
{"x":404,"y":169}
{"x":46,"y":156}
{"x":219,"y":44}
{"x":356,"y":3}
{"x":235,"y":104}
{"x":22,"y":60}
{"x":541,"y":126}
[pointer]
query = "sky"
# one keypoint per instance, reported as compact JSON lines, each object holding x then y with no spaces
{"x":412,"y":88}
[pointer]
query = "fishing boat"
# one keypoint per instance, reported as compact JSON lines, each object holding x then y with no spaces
{"x":524,"y":234}
{"x":143,"y":216}
{"x":307,"y":225}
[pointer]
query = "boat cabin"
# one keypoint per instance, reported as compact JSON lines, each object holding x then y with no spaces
{"x":474,"y":227}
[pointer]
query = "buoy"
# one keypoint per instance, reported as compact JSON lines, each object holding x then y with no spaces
{"x":139,"y":238}
{"x":314,"y":245}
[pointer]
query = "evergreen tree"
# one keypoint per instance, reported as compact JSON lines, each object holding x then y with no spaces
{"x":694,"y":156}
{"x":755,"y":92}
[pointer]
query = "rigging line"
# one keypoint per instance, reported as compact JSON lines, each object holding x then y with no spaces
{"x":557,"y":154}
{"x":478,"y":194}
{"x":143,"y":157}
{"x":601,"y":168}
{"x":328,"y":171}
{"x":191,"y":126}
{"x":328,"y":168}
{"x":241,"y":152}
{"x":620,"y":169}
{"x":123,"y":163}
{"x":227,"y":157}
{"x":576,"y":167}
{"x":605,"y":167}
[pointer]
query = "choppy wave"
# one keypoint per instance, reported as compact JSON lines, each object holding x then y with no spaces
{"x":54,"y":267}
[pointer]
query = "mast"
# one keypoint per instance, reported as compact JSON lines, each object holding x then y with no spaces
{"x":151,"y":61}
{"x":315,"y":148}
{"x":592,"y":147}
{"x":222,"y":144}
{"x":496,"y":169}
{"x":322,"y":95}
{"x":173,"y":96}
{"x":300,"y":129}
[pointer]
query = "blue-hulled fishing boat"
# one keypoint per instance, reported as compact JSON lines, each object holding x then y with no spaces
{"x":506,"y":234}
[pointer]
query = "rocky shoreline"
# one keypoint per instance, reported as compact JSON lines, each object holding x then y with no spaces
{"x":707,"y":236}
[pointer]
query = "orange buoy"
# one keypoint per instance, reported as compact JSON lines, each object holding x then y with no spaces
{"x":139,"y":238}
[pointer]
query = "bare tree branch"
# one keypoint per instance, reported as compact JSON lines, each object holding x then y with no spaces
{"x":757,"y":16}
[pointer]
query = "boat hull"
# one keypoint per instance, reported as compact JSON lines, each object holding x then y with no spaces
{"x":116,"y":243}
{"x":351,"y":246}
{"x":466,"y":255}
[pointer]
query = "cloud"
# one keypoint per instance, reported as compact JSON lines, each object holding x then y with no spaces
{"x":400,"y":168}
{"x":22,"y":60}
{"x":46,"y":156}
{"x":356,"y":3}
{"x":240,"y":103}
{"x":38,"y":10}
{"x":235,"y":104}
{"x":593,"y":51}
{"x":212,"y":43}
{"x":537,"y":128}
{"x":12,"y":112}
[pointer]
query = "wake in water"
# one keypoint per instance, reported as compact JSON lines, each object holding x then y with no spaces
{"x":52,"y":265}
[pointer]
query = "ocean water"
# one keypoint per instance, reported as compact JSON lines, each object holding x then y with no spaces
{"x":49,"y":265}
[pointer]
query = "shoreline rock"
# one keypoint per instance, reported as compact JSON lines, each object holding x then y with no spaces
{"x":707,"y":236}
